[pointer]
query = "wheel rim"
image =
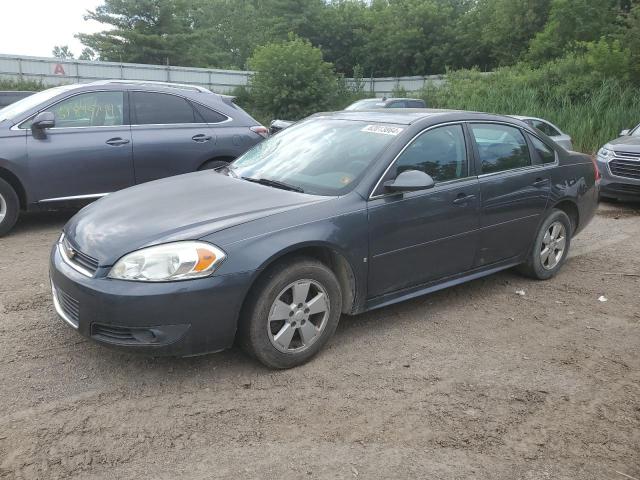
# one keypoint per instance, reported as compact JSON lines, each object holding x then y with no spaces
{"x":298,"y":316}
{"x":554,"y":244}
{"x":3,"y":208}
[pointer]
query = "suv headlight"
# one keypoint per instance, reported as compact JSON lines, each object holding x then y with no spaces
{"x":605,"y":153}
{"x":169,"y":262}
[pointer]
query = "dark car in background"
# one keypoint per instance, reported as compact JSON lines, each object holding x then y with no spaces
{"x":619,"y":162}
{"x":384,"y":102}
{"x":341,"y":213}
{"x":80,"y":142}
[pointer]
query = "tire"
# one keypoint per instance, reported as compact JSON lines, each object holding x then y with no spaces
{"x":275,"y":329}
{"x":9,"y":207}
{"x":213,"y":164}
{"x":539,"y":265}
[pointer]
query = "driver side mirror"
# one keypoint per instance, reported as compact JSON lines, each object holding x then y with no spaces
{"x":624,"y":133}
{"x":43,"y":120}
{"x":410,"y":181}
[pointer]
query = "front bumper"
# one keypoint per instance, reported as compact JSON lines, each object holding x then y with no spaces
{"x":615,"y":186}
{"x":174,"y":318}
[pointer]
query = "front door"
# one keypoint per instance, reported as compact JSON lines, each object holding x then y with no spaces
{"x":514,"y":191}
{"x":419,"y":237}
{"x":169,"y":136}
{"x":86,"y":154}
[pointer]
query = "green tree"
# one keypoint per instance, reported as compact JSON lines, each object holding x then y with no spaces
{"x":291,"y":79}
{"x":62,"y":52}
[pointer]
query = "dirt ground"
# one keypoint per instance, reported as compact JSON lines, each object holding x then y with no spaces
{"x":473,"y":382}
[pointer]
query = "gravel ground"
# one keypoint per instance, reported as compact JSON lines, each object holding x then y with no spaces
{"x":473,"y":382}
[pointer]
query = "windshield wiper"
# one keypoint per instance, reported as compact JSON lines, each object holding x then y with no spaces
{"x":274,"y":183}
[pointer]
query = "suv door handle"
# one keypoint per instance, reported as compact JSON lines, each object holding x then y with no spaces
{"x":540,"y":182}
{"x":201,"y":137}
{"x":117,"y":141}
{"x":463,"y":198}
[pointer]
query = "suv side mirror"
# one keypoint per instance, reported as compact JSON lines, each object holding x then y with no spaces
{"x":624,"y":133}
{"x":43,"y":120}
{"x":410,"y":181}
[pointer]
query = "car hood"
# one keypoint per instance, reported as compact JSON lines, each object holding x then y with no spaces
{"x":628,"y":142}
{"x":185,"y":207}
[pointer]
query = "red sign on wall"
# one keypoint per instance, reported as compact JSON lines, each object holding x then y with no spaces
{"x":58,"y":69}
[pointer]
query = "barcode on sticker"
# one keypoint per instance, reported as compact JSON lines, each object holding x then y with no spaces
{"x":383,"y":129}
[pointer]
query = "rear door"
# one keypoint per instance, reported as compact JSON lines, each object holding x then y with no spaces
{"x":422,"y":236}
{"x":515,"y":188}
{"x":169,"y":136}
{"x":87,"y":153}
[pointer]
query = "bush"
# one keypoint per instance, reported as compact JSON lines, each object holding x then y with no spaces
{"x":24,"y":85}
{"x":577,"y":92}
{"x":291,"y":80}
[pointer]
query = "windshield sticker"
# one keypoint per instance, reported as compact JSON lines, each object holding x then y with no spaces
{"x":384,"y":130}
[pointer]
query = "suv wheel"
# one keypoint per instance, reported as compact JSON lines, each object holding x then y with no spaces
{"x":9,"y":207}
{"x":291,"y":314}
{"x":550,"y":248}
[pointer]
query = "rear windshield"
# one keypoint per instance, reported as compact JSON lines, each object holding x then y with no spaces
{"x":320,"y":156}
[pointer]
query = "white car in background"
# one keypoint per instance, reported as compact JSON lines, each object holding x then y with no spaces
{"x":549,"y":129}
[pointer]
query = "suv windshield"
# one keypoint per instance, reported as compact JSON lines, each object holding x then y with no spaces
{"x":18,"y":108}
{"x":319,"y":156}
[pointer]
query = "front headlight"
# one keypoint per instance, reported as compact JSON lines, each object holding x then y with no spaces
{"x":169,"y":262}
{"x":605,"y":153}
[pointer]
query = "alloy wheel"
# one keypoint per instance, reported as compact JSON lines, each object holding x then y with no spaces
{"x":3,"y":208}
{"x":554,"y":243}
{"x":298,"y":316}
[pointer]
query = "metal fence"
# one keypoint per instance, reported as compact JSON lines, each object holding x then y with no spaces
{"x":53,"y":71}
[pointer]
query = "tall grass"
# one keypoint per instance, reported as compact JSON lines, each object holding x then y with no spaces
{"x":26,"y":85}
{"x":591,"y":116}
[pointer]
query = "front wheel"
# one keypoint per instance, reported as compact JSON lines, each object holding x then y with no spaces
{"x":551,"y":247}
{"x":9,"y":207}
{"x":291,"y":313}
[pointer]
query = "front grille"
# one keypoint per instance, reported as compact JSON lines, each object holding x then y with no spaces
{"x":76,"y":257}
{"x":627,"y":154}
{"x":625,"y":168}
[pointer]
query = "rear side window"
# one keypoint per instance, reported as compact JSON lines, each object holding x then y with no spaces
{"x":398,"y":104}
{"x":545,"y":128}
{"x":209,"y":116}
{"x":161,"y":109}
{"x":500,"y":147}
{"x":546,"y":154}
{"x":415,"y":104}
{"x":440,"y":152}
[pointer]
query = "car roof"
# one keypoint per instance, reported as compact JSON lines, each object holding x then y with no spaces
{"x":408,"y":116}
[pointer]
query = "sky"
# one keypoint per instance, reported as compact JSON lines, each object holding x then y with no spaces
{"x":34,"y":27}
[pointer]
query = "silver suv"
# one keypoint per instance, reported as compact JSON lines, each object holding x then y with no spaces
{"x":619,"y":165}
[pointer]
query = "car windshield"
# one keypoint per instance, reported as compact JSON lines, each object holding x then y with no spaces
{"x":18,"y":108}
{"x":319,"y":156}
{"x":366,"y":104}
{"x":636,"y":132}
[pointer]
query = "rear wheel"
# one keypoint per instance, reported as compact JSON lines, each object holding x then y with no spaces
{"x":551,"y":247}
{"x":213,"y":164}
{"x":9,"y":207}
{"x":291,"y":313}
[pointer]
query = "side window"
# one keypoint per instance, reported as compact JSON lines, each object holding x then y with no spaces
{"x":398,"y":104}
{"x":545,"y":128}
{"x":415,"y":104}
{"x":161,"y":109}
{"x":500,"y":147}
{"x":209,"y":116}
{"x":95,"y":109}
{"x":440,"y":152}
{"x":546,"y":154}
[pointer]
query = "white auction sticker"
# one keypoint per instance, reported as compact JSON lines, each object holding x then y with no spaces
{"x":383,"y":129}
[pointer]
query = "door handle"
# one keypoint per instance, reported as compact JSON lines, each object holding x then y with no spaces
{"x":201,"y":137}
{"x":540,"y":182}
{"x":463,"y":198}
{"x":117,"y":141}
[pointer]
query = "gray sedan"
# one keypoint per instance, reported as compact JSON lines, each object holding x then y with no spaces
{"x":549,"y":129}
{"x":77,"y":143}
{"x":341,"y":213}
